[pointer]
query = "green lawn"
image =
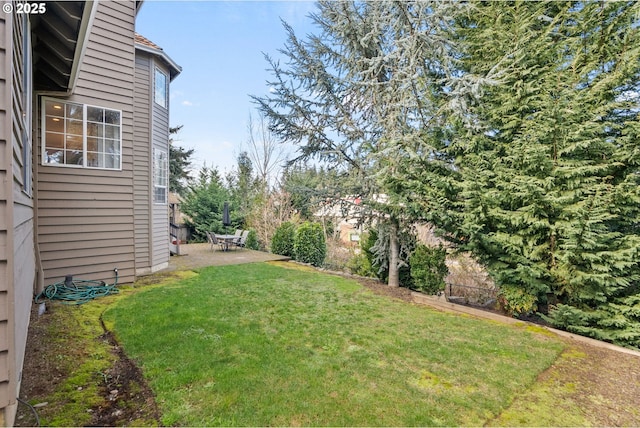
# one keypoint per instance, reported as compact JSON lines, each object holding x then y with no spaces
{"x":258,"y":344}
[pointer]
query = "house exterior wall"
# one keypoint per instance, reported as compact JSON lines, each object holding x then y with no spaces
{"x":57,"y":220}
{"x":6,"y":202}
{"x":17,"y":253}
{"x":151,"y":132}
{"x":160,"y":211}
{"x":142,"y":163}
{"x":85,"y":216}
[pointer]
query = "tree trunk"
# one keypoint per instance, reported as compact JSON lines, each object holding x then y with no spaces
{"x":394,"y":251}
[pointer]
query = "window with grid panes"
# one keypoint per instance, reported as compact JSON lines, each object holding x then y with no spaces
{"x":160,"y":176}
{"x":80,"y":135}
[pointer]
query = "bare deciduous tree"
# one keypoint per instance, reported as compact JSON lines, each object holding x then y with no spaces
{"x":266,"y":152}
{"x":273,"y":209}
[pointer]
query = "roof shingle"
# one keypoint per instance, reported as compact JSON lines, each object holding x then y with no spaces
{"x":146,"y":42}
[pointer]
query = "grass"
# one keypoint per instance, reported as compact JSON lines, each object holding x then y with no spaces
{"x":532,"y":408}
{"x":264,"y":345}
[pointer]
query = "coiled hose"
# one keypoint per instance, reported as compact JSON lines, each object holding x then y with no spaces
{"x":77,"y":291}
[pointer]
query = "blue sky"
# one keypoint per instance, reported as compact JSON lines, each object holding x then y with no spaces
{"x":220,"y":46}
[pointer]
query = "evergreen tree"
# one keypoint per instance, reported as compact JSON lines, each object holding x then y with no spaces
{"x":513,"y":127}
{"x":243,"y":187}
{"x":179,"y":164}
{"x":546,"y":160}
{"x":348,"y":94}
{"x":204,"y":202}
{"x":310,"y":188}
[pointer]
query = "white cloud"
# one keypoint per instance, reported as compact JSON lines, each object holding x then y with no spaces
{"x":187,"y":103}
{"x":298,"y":11}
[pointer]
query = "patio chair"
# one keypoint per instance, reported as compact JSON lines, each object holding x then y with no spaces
{"x":211,"y":237}
{"x":240,"y":242}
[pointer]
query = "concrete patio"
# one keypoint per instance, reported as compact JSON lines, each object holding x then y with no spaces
{"x":194,"y":256}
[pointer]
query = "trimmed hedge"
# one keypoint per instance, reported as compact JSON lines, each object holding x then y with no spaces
{"x":309,"y":244}
{"x":282,"y":241}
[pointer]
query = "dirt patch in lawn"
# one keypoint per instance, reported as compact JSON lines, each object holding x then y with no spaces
{"x":128,"y":399}
{"x":606,"y":382}
{"x":122,"y":398}
{"x":601,"y":385}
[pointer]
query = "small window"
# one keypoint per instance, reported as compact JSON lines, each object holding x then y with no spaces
{"x":160,"y":176}
{"x":81,"y":136}
{"x":161,"y":88}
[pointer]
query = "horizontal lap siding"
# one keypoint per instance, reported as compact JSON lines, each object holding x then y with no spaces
{"x":141,"y":162}
{"x":6,"y":248}
{"x":85,"y":216}
{"x":160,"y":220}
{"x":17,"y":224}
{"x":24,"y":269}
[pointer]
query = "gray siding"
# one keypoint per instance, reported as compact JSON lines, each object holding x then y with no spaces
{"x":142,"y":162}
{"x":85,"y":216}
{"x":160,"y":214}
{"x":6,"y":249}
{"x":17,"y":253}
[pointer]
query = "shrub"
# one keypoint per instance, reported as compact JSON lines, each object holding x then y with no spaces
{"x":360,"y":265}
{"x":309,"y":244}
{"x":283,"y":239}
{"x":252,"y":242}
{"x":428,"y":268}
{"x":515,"y":301}
{"x":337,"y":257}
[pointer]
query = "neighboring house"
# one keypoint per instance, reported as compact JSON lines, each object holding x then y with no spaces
{"x":350,"y":217}
{"x":347,"y":218}
{"x":83,"y":158}
{"x":177,"y":218}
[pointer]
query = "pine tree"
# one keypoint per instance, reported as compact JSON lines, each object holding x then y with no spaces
{"x":179,"y":164}
{"x":548,"y":195}
{"x":203,"y":204}
{"x":349,"y":94}
{"x":513,"y":127}
{"x":243,"y":188}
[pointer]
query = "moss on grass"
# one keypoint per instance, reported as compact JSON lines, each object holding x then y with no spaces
{"x":549,"y":402}
{"x":82,"y":356}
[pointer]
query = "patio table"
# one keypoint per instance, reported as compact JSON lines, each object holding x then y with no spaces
{"x":226,"y":240}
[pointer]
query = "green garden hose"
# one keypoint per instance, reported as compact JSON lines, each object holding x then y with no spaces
{"x":77,"y":291}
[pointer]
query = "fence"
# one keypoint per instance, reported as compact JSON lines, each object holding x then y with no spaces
{"x":468,"y":295}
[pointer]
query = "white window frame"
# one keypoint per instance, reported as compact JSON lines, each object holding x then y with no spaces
{"x":160,"y":175}
{"x":164,"y":104}
{"x":84,"y":164}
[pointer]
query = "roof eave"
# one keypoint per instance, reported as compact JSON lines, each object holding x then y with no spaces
{"x":83,"y":40}
{"x":59,"y":40}
{"x":174,"y":68}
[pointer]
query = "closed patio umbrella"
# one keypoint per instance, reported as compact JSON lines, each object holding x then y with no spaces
{"x":226,"y":221}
